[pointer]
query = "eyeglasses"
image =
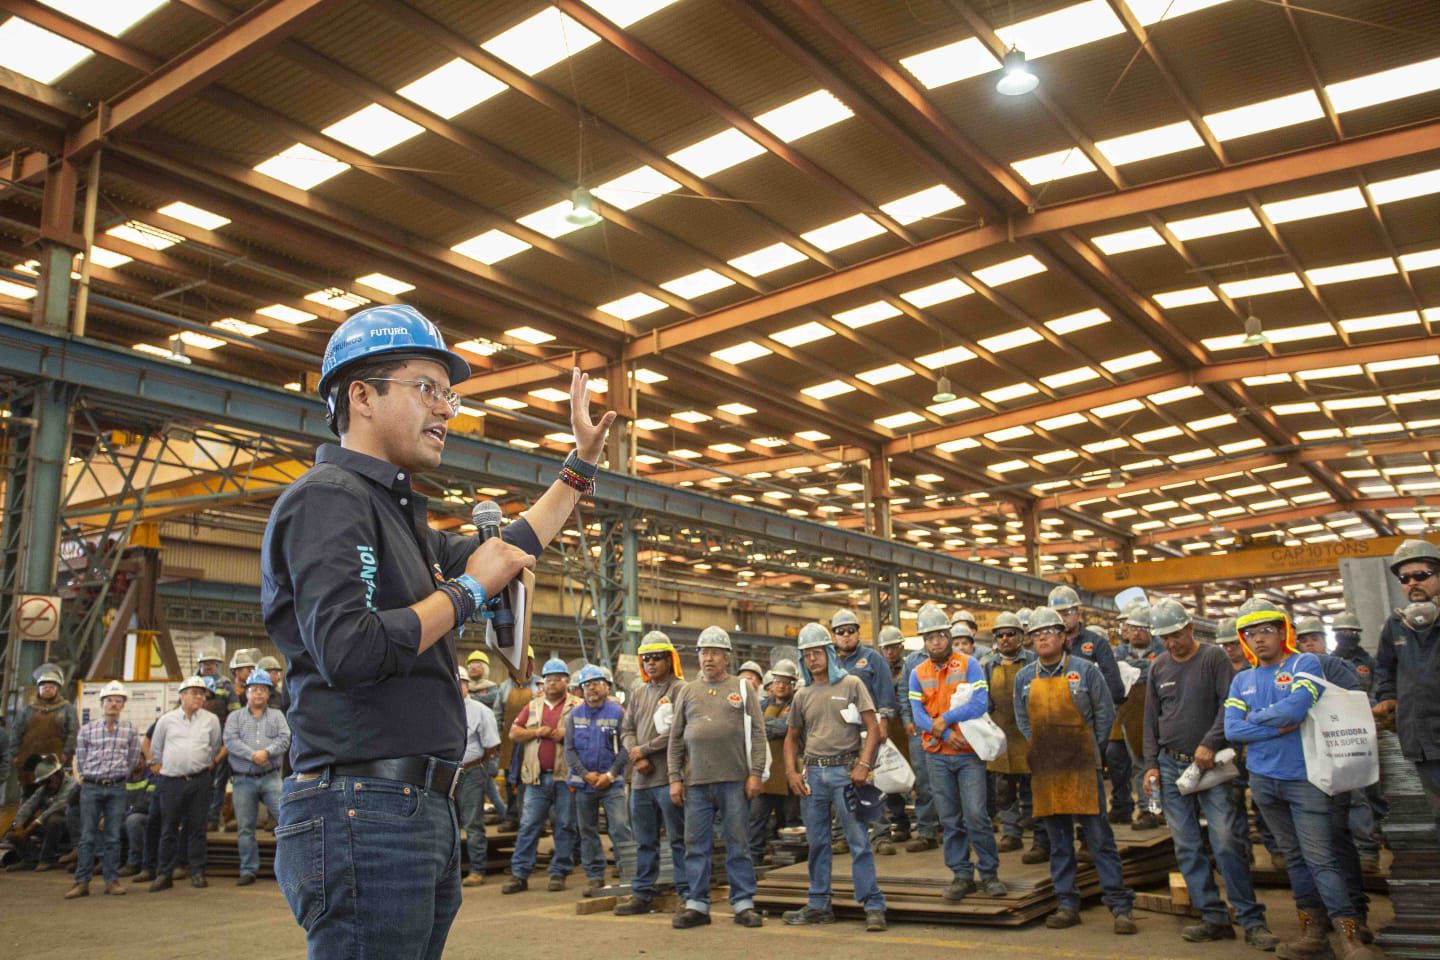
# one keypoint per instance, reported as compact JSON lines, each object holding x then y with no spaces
{"x":429,"y":392}
{"x":655,"y":657}
{"x":1006,"y":634}
{"x":846,"y":631}
{"x":1409,"y":578}
{"x":1262,"y":630}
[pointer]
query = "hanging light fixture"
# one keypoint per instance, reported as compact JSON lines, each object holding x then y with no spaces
{"x":943,"y":393}
{"x":582,"y":209}
{"x":1015,"y":78}
{"x":177,"y":347}
{"x":1116,"y":482}
{"x":1254,"y":332}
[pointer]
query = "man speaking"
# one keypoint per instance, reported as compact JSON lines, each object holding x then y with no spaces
{"x":357,"y":592}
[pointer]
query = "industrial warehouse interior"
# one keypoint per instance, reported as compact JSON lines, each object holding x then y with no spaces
{"x":884,"y":416}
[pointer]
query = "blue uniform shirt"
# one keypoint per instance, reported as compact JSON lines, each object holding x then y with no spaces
{"x":1091,"y":646}
{"x":1088,"y":692}
{"x":1263,"y":700}
{"x":873,"y":669}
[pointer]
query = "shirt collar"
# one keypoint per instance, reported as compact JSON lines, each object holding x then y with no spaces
{"x":386,"y":474}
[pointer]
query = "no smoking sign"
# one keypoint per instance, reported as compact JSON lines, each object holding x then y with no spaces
{"x":37,"y":618}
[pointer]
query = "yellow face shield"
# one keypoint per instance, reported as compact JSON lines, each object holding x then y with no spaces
{"x":1261,"y":616}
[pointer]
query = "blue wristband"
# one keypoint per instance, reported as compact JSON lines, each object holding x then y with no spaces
{"x":476,"y":590}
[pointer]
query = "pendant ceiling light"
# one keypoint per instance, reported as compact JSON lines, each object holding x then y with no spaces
{"x":582,"y":209}
{"x":1015,"y":77}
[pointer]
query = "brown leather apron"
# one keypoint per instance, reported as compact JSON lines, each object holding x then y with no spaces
{"x":43,"y":734}
{"x":1130,"y":720}
{"x":1062,"y":750}
{"x":777,"y":785}
{"x":1002,"y":700}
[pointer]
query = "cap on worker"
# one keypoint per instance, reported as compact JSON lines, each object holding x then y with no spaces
{"x":259,"y":678}
{"x":785,"y":670}
{"x":1225,"y":631}
{"x":844,"y":618}
{"x":554,"y":666}
{"x":714,"y":637}
{"x":1167,"y":616}
{"x":270,"y":663}
{"x":1064,"y":597}
{"x":48,"y":673}
{"x":193,"y":683}
{"x":1346,"y":621}
{"x":931,"y":619}
{"x":890,"y":635}
{"x":588,"y":673}
{"x":1140,"y":615}
{"x":392,"y":331}
{"x":480,"y":655}
{"x":1410,"y":550}
{"x":866,"y":802}
{"x":1044,"y":618}
{"x":1304,"y":625}
{"x":114,"y":689}
{"x":241,"y":659}
{"x":813,"y":635}
{"x":1006,"y":621}
{"x":750,"y":666}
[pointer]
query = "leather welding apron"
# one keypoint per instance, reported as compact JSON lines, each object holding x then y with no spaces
{"x":1062,"y":750}
{"x":1002,"y":701}
{"x":42,"y":735}
{"x":1130,"y":720}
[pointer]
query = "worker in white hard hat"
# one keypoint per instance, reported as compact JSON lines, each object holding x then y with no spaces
{"x":1127,"y":737}
{"x":46,"y":725}
{"x":1010,"y":768}
{"x":1085,"y":643}
{"x":717,"y":764}
{"x":185,"y":750}
{"x":1184,"y":724}
{"x":957,"y":775}
{"x":753,"y":672}
{"x":892,"y":647}
{"x":862,"y":661}
{"x":107,"y":752}
{"x":962,"y":638}
{"x":1064,"y":709}
{"x":926,"y":832}
{"x":776,"y":806}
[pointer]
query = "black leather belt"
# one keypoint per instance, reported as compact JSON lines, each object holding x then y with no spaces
{"x":1181,"y":757}
{"x":103,"y":783}
{"x":844,"y":760}
{"x":428,"y":773}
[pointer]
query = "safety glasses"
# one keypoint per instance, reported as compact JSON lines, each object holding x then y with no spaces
{"x":1408,"y":578}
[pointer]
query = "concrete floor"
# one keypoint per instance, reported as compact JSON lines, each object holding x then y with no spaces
{"x":37,"y":924}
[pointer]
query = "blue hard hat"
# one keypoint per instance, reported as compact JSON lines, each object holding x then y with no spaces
{"x":380,"y":331}
{"x":554,"y":665}
{"x":589,"y":672}
{"x":866,"y":802}
{"x":259,"y":678}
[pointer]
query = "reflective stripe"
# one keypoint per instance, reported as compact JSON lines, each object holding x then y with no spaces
{"x":916,"y":695}
{"x":929,"y":683}
{"x":1237,"y":704}
{"x":980,"y":685}
{"x":1314,"y":693}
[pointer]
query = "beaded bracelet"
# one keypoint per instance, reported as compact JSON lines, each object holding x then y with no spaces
{"x":460,"y":600}
{"x":577,"y":474}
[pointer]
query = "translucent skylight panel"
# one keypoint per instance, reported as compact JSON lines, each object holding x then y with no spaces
{"x":867,"y":314}
{"x":1184,"y":298}
{"x":1062,"y":421}
{"x":1403,"y":363}
{"x":385,"y":284}
{"x":1062,"y":29}
{"x":895,"y":421}
{"x":451,"y":89}
{"x":1146,"y":144}
{"x":767,"y":259}
{"x":537,"y":337}
{"x":623,"y":13}
{"x":692,"y":416}
{"x":801,"y":117}
{"x":1420,"y":260}
{"x":1161,"y":433}
{"x":108,"y":16}
{"x":844,"y":232}
{"x":736,"y":409}
{"x":299,"y":166}
{"x":813,"y":436}
{"x":196,"y":216}
{"x":1179,"y":393}
{"x":551,"y":395}
{"x":885,"y":374}
{"x":1256,"y":286}
{"x":1013,"y":392}
{"x":337,"y":299}
{"x":482,"y":347}
{"x":16,"y":291}
{"x":1213,"y":224}
{"x":1130,"y":361}
{"x":279,"y":311}
{"x":1011,"y":340}
{"x":742,"y":352}
{"x":944,"y":358}
{"x":828,"y":389}
{"x":1104,"y":446}
{"x":372,"y":129}
{"x":1070,"y":323}
{"x":1315,"y":205}
{"x":697,"y":284}
{"x":1210,"y":423}
{"x":551,"y":220}
{"x":646,"y":375}
{"x":1344,"y":272}
{"x":634,"y":306}
{"x":165,"y":353}
{"x":1008,"y":271}
{"x":640,"y":185}
{"x":541,"y":41}
{"x":1126,"y":240}
{"x":37,"y":53}
{"x":950,"y":63}
{"x":1118,"y":408}
{"x":1009,"y":433}
{"x":242,"y":327}
{"x":1070,"y":162}
{"x":925,"y":203}
{"x":1266,"y":115}
{"x":802,"y":334}
{"x":1055,"y":456}
{"x":649,"y":423}
{"x":1387,"y":85}
{"x":492,"y":246}
{"x":144,"y":235}
{"x":719,"y":152}
{"x":108,"y":258}
{"x":1404,"y":188}
{"x":952,"y":446}
{"x":1007,"y":466}
{"x":1068,"y":378}
{"x":942,"y":292}
{"x":950,"y":407}
{"x":1330,"y":373}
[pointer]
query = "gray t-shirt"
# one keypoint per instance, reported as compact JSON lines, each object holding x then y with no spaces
{"x":816,"y":714}
{"x":707,"y":738}
{"x":638,"y":730}
{"x":1185,"y":703}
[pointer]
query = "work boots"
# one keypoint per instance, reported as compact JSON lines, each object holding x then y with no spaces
{"x":79,"y":890}
{"x":1313,"y":942}
{"x":920,"y":843}
{"x":1351,"y":945}
{"x":1036,"y":854}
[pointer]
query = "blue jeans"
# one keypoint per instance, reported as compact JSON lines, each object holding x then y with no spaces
{"x":135,"y":846}
{"x":927,"y":823}
{"x":1016,"y":788}
{"x":486,"y":774}
{"x":247,"y":793}
{"x":1101,"y":842}
{"x":470,"y":808}
{"x":548,"y":797}
{"x":958,"y":784}
{"x":705,"y":804}
{"x":1299,"y":816}
{"x":827,"y":795}
{"x":1122,"y":771}
{"x":1229,"y":833}
{"x":762,"y":809}
{"x":1367,"y":810}
{"x":1347,"y":855}
{"x":617,"y":824}
{"x":370,"y":868}
{"x":649,"y":807}
{"x":97,"y":802}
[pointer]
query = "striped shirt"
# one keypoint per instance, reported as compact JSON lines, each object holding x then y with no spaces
{"x":106,"y":753}
{"x":245,"y":733}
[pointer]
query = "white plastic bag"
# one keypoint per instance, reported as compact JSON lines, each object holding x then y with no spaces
{"x":851,"y":714}
{"x":961,"y":696}
{"x":984,"y":736}
{"x":1129,"y":674}
{"x":1195,"y":780}
{"x":749,"y":723}
{"x":664,"y":717}
{"x":892,"y":773}
{"x":1338,"y":736}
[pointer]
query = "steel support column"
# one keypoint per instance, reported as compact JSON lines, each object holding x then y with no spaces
{"x":630,"y":580}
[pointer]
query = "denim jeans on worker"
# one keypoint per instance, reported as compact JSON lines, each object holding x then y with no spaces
{"x":247,"y":793}
{"x":370,"y":868}
{"x":705,"y":805}
{"x":762,"y":809}
{"x":827,"y":796}
{"x":548,"y":797}
{"x":470,"y":809}
{"x":1229,"y":841}
{"x":958,"y":784}
{"x":1121,"y":769}
{"x":1347,"y":855}
{"x":96,"y":803}
{"x":1367,"y":810}
{"x":1101,"y":842}
{"x":135,"y":848}
{"x":617,"y":824}
{"x":1299,"y":816}
{"x":487,"y":773}
{"x":649,"y":808}
{"x":927,"y":822}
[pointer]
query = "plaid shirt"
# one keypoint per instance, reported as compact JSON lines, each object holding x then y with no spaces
{"x":103,"y":752}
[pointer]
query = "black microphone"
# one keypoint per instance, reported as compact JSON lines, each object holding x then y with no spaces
{"x":486,"y":517}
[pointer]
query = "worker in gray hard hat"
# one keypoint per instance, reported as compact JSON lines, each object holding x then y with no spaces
{"x":1126,"y":744}
{"x":46,"y":726}
{"x":1184,"y":723}
{"x":1407,"y":667}
{"x":962,"y":638}
{"x":41,"y":822}
{"x":753,"y":672}
{"x":926,"y":832}
{"x":892,"y":647}
{"x":281,"y":698}
{"x":1345,"y":627}
{"x":1082,"y":642}
{"x":1228,"y":640}
{"x":863,"y":662}
{"x":957,"y":775}
{"x":1011,"y":769}
{"x":776,"y":806}
{"x":1365,"y":815}
{"x":717,"y":764}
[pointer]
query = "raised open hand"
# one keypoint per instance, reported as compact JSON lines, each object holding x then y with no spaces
{"x":589,"y":435}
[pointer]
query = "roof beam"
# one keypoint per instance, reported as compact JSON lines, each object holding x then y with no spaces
{"x":1274,"y":517}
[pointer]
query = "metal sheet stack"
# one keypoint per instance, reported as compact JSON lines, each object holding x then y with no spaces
{"x":1415,"y":870}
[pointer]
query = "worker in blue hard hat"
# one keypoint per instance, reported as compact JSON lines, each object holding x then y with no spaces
{"x":358,"y":591}
{"x":256,"y":740}
{"x":596,"y":764}
{"x":540,"y":732}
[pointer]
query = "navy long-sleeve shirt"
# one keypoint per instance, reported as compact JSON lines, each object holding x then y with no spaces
{"x":1091,"y":646}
